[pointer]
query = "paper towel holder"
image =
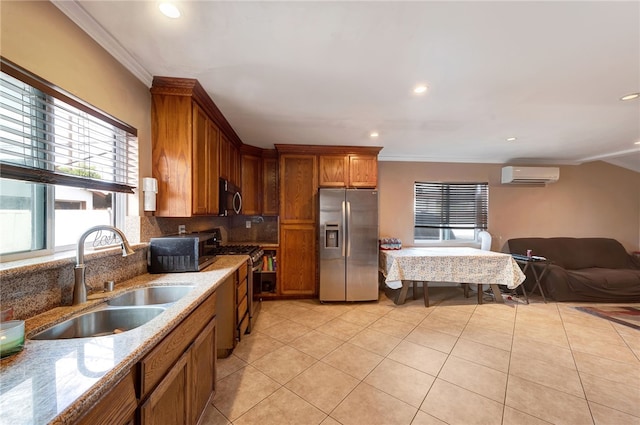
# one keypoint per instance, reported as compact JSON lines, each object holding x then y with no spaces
{"x":150,"y":188}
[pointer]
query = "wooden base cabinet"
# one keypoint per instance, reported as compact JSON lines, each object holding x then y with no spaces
{"x":117,"y":407}
{"x":297,"y":260}
{"x":183,"y":394}
{"x":177,"y":377}
{"x":169,"y":403}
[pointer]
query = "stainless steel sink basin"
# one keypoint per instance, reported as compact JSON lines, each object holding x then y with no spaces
{"x":101,"y":322}
{"x":152,"y":295}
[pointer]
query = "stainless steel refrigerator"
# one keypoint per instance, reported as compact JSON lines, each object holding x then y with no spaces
{"x":348,"y":244}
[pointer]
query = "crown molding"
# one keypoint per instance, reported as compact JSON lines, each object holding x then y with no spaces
{"x":81,"y":18}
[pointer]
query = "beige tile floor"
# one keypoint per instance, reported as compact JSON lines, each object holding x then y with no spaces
{"x":453,"y":363}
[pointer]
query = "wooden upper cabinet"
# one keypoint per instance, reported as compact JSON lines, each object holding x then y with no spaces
{"x":363,"y":171}
{"x":235,"y":165}
{"x":270,"y":185}
{"x":333,"y":170}
{"x":298,"y":188}
{"x":225,"y":157}
{"x":189,"y":136}
{"x":251,"y":184}
{"x":357,"y":171}
{"x":205,"y":164}
{"x":172,"y":154}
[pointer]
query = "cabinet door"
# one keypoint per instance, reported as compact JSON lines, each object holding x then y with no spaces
{"x":298,"y":188}
{"x":171,"y":154}
{"x":225,"y":157}
{"x":170,"y":402}
{"x":363,"y":171}
{"x":251,"y":184}
{"x":297,"y":261}
{"x":213,"y":155}
{"x":203,"y":369}
{"x":234,"y":165}
{"x":200,"y":188}
{"x":117,"y":407}
{"x":333,"y":170}
{"x":270,"y":186}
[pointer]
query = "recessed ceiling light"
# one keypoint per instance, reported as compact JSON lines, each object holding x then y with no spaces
{"x":374,"y":134}
{"x":419,"y":89}
{"x":169,"y":10}
{"x":637,"y":143}
{"x":511,"y":139}
{"x":630,"y":96}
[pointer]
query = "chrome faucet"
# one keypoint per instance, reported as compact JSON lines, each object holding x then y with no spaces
{"x":79,"y":286}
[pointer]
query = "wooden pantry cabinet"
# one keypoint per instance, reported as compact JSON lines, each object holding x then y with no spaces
{"x":192,"y":146}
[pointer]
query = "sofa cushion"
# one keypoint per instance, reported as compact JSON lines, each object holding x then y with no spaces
{"x":604,"y":284}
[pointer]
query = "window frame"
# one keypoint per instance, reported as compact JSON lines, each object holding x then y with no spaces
{"x":126,"y":154}
{"x":477,"y":224}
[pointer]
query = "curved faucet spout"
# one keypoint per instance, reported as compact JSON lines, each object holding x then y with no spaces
{"x":79,"y":286}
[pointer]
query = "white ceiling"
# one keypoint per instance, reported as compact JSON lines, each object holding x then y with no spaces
{"x":549,"y":73}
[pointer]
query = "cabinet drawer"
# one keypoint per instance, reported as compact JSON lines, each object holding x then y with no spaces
{"x":242,"y":273}
{"x":241,"y":289}
{"x":155,"y":365}
{"x":242,"y":309}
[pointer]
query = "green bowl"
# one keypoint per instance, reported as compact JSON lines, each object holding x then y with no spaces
{"x":11,"y":337}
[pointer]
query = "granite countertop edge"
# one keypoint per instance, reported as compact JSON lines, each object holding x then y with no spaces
{"x":14,"y":369}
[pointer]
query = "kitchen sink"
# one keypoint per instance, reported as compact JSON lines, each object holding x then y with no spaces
{"x":106,"y":321}
{"x":152,"y":295}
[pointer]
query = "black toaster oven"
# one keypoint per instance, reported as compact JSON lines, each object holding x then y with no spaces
{"x":181,"y":253}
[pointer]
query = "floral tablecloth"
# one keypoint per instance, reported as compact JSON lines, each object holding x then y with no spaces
{"x":449,"y":264}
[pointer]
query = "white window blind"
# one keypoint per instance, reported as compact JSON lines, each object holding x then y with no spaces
{"x":451,"y":205}
{"x":49,"y":136}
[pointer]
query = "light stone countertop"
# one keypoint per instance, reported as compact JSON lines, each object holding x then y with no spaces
{"x":56,"y":381}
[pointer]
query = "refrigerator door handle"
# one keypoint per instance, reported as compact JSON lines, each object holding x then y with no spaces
{"x":348,"y":226}
{"x":344,"y":228}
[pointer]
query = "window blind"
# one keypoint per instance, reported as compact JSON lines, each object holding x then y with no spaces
{"x":47,"y":136}
{"x":451,"y":205}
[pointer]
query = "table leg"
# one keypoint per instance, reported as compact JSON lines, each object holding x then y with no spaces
{"x":402,"y":295}
{"x":479,"y":293}
{"x":538,"y":285}
{"x":465,"y":288}
{"x":415,"y":290}
{"x":497,"y":294}
{"x":425,"y":287}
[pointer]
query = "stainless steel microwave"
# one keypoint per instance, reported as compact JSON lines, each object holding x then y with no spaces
{"x":230,"y":198}
{"x":181,"y":253}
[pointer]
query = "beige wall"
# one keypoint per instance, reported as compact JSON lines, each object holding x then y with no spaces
{"x":41,"y":39}
{"x":593,"y":199}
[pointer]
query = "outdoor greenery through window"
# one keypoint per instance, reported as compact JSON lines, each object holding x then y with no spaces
{"x":450,"y":211}
{"x":64,"y":166}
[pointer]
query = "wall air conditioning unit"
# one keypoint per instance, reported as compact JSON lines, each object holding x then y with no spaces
{"x":530,"y":175}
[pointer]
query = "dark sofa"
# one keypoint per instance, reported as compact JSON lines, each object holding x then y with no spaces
{"x":583,"y":269}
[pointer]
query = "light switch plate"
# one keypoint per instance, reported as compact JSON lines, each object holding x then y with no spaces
{"x":247,"y":224}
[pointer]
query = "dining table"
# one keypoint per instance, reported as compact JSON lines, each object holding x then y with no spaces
{"x":404,"y":267}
